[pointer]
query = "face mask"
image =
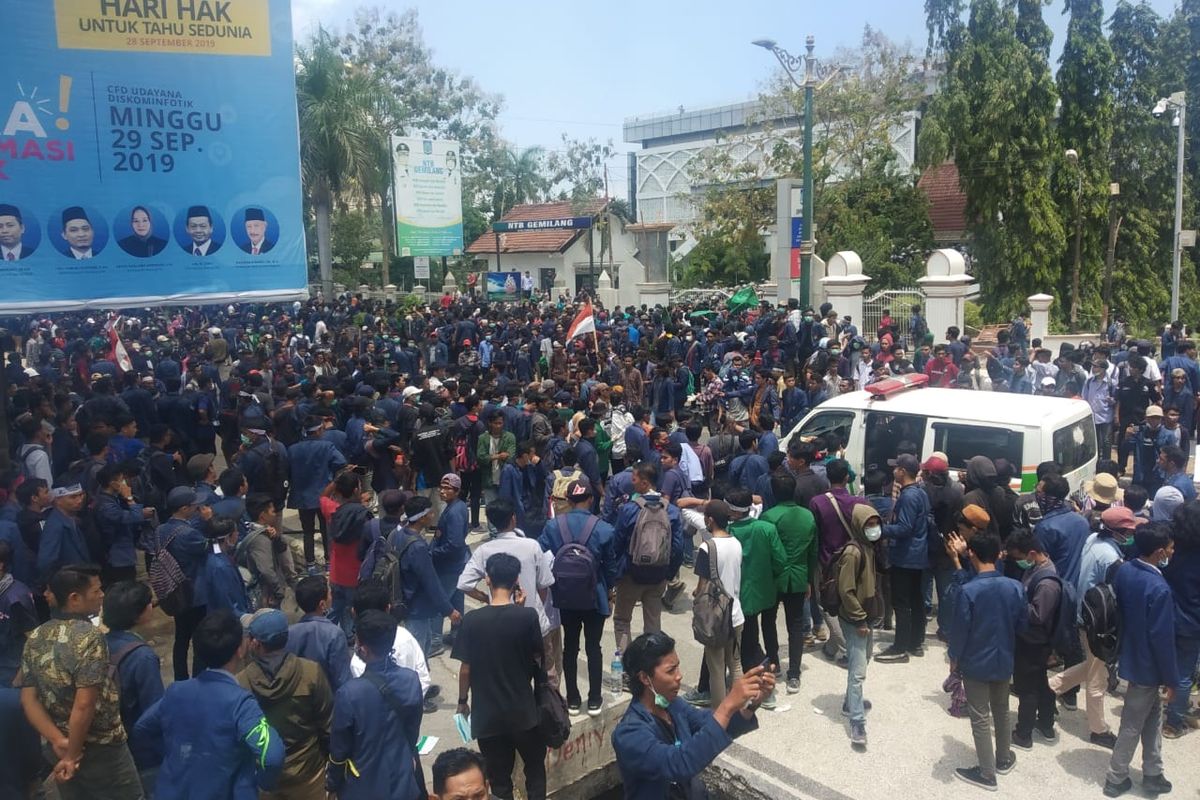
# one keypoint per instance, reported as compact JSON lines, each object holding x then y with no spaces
{"x":1128,"y":542}
{"x":1024,"y":563}
{"x":247,"y":441}
{"x":661,"y":701}
{"x":873,"y":533}
{"x":1163,"y":564}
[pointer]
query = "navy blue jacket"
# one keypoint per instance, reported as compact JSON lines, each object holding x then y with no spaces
{"x":637,"y":444}
{"x":747,"y":468}
{"x":616,"y":493}
{"x":62,"y":543}
{"x":118,"y":524}
{"x":626,"y":520}
{"x":139,"y":678}
{"x":381,"y":743}
{"x":219,"y":585}
{"x":1147,"y":654}
{"x":588,"y":461}
{"x":649,"y":764}
{"x":312,"y":463}
{"x":188,"y":546}
{"x":1063,"y":533}
{"x":216,"y":742}
{"x":601,"y":544}
{"x":24,"y":566}
{"x":423,"y":592}
{"x":989,"y":611}
{"x":318,"y":639}
{"x":449,"y":549}
{"x":907,"y":534}
{"x":1183,"y":575}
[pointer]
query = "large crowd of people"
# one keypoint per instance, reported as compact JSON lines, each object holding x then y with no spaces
{"x":561,"y":464}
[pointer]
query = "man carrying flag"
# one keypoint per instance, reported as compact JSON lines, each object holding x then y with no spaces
{"x":117,"y":353}
{"x":584,"y":323}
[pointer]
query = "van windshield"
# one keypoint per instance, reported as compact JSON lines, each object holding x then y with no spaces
{"x":1075,"y":445}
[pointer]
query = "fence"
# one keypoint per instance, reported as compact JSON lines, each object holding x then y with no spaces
{"x":899,"y":302}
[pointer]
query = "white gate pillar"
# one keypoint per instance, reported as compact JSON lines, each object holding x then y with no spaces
{"x":946,"y":286}
{"x":844,"y":284}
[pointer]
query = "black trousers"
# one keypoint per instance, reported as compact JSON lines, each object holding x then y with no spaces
{"x":1035,"y":700}
{"x":591,"y":623}
{"x":310,"y":519}
{"x":110,"y":575}
{"x":499,"y":757}
{"x":472,"y":494}
{"x":185,"y":626}
{"x":795,"y":606}
{"x":909,"y":602}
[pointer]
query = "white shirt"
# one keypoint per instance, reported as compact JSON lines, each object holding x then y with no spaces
{"x":81,"y":255}
{"x":729,"y":569}
{"x":203,"y":248}
{"x":15,"y":251}
{"x":535,"y":571}
{"x":405,"y":653}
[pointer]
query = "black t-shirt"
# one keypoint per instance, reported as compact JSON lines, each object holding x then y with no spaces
{"x":500,"y":643}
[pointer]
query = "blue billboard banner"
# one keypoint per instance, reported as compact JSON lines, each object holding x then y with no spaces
{"x":512,"y":226}
{"x":149,"y":154}
{"x":504,"y":287}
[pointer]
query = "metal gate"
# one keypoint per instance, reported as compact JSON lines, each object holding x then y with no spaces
{"x":899,"y":302}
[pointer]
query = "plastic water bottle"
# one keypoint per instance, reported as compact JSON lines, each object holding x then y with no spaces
{"x":616,"y":675}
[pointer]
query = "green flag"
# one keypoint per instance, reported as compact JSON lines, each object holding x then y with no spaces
{"x":743,"y":299}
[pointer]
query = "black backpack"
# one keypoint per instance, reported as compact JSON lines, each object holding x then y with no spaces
{"x":1066,"y":630}
{"x":1102,"y":617}
{"x":388,"y":571}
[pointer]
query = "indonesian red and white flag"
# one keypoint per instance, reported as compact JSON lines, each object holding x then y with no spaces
{"x":584,"y":322}
{"x":117,"y":352}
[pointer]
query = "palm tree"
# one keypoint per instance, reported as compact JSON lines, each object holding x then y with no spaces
{"x":334,"y":134}
{"x":522,"y":179}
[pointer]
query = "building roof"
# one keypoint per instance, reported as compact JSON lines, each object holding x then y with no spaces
{"x":548,"y":241}
{"x":947,"y":203}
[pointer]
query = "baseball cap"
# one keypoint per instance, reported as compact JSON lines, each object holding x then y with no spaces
{"x":197,"y":466}
{"x":1119,"y":518}
{"x":409,"y":391}
{"x":976,"y":516}
{"x":906,"y":462}
{"x":452,"y":480}
{"x":935,"y":464}
{"x":579,"y":490}
{"x":267,"y":625}
{"x":1048,"y":381}
{"x":1154,"y":411}
{"x":179,"y":497}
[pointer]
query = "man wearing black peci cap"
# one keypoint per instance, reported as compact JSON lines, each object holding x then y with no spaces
{"x":78,"y":233}
{"x":200,"y":229}
{"x":12,"y":228}
{"x":256,"y":232}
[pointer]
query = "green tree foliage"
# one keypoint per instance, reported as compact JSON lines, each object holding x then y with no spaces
{"x":577,"y":170}
{"x":355,"y":235}
{"x":716,"y":262}
{"x":993,"y":117}
{"x":1085,"y":124}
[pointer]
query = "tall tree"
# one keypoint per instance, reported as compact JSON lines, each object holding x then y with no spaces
{"x":1085,"y":125}
{"x":522,"y":179}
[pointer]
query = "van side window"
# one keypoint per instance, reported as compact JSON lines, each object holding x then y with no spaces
{"x":886,"y":432}
{"x":1075,"y":444}
{"x":827,"y":422}
{"x":961,"y":443}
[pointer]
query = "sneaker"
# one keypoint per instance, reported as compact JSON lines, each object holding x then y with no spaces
{"x":1021,"y":742}
{"x":917,"y":652}
{"x":1049,"y":734}
{"x":434,"y":691}
{"x":1191,"y":720}
{"x":672,"y":594}
{"x":769,"y":703}
{"x":595,"y":709}
{"x":892,"y":656}
{"x":1107,"y":739}
{"x":1170,"y":731}
{"x":975,"y":777}
{"x":698,"y":698}
{"x":793,"y":685}
{"x":1005,"y":767}
{"x":429,"y":706}
{"x":1069,"y":703}
{"x":1155,"y":784}
{"x":574,"y":709}
{"x":846,"y":708}
{"x":1117,"y":789}
{"x":821,"y":634}
{"x":842,"y":661}
{"x":810,"y":641}
{"x":858,"y":734}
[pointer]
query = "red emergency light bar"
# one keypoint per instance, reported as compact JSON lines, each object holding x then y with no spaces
{"x":881,"y":390}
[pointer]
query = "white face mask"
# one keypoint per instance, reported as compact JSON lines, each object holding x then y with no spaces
{"x":873,"y":533}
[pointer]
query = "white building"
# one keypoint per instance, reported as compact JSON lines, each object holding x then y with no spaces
{"x":660,"y":178}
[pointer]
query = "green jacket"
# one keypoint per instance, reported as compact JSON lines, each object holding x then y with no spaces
{"x":483,"y":453}
{"x":797,"y":528}
{"x":603,"y":444}
{"x":763,"y":560}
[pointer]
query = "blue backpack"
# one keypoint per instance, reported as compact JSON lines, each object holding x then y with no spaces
{"x":574,"y":570}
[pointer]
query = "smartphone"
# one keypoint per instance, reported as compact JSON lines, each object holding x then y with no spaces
{"x":766,"y":664}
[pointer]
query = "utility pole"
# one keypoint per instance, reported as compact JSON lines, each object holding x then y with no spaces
{"x":806,"y":243}
{"x":1110,"y":258}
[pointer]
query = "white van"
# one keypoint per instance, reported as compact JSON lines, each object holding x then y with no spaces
{"x":1024,"y":429}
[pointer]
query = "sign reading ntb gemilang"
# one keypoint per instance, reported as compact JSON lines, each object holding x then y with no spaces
{"x":149,"y":154}
{"x":565,"y":223}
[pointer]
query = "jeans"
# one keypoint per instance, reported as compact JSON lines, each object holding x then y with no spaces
{"x":422,"y":630}
{"x":910,"y":609}
{"x":185,"y":626}
{"x":310,"y":519}
{"x":1103,"y":443}
{"x":1141,"y":720}
{"x":339,"y":612}
{"x":985,"y":700}
{"x":1035,"y":701}
{"x":106,"y":772}
{"x":795,"y":612}
{"x":500,"y":756}
{"x":1187,"y":651}
{"x":592,"y":625}
{"x":449,"y":580}
{"x":858,"y":653}
{"x":942,"y":579}
{"x":1092,"y":673}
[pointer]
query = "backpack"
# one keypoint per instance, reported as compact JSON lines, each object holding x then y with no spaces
{"x":558,"y":491}
{"x":171,"y":586}
{"x":275,"y":475}
{"x":1101,"y":617}
{"x":712,"y":609}
{"x":144,"y":489}
{"x":574,"y":569}
{"x":387,"y":570}
{"x":829,"y":596}
{"x":461,"y":462}
{"x":650,"y":544}
{"x":919,"y":329}
{"x":26,"y":470}
{"x":1065,"y":635}
{"x":116,"y":657}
